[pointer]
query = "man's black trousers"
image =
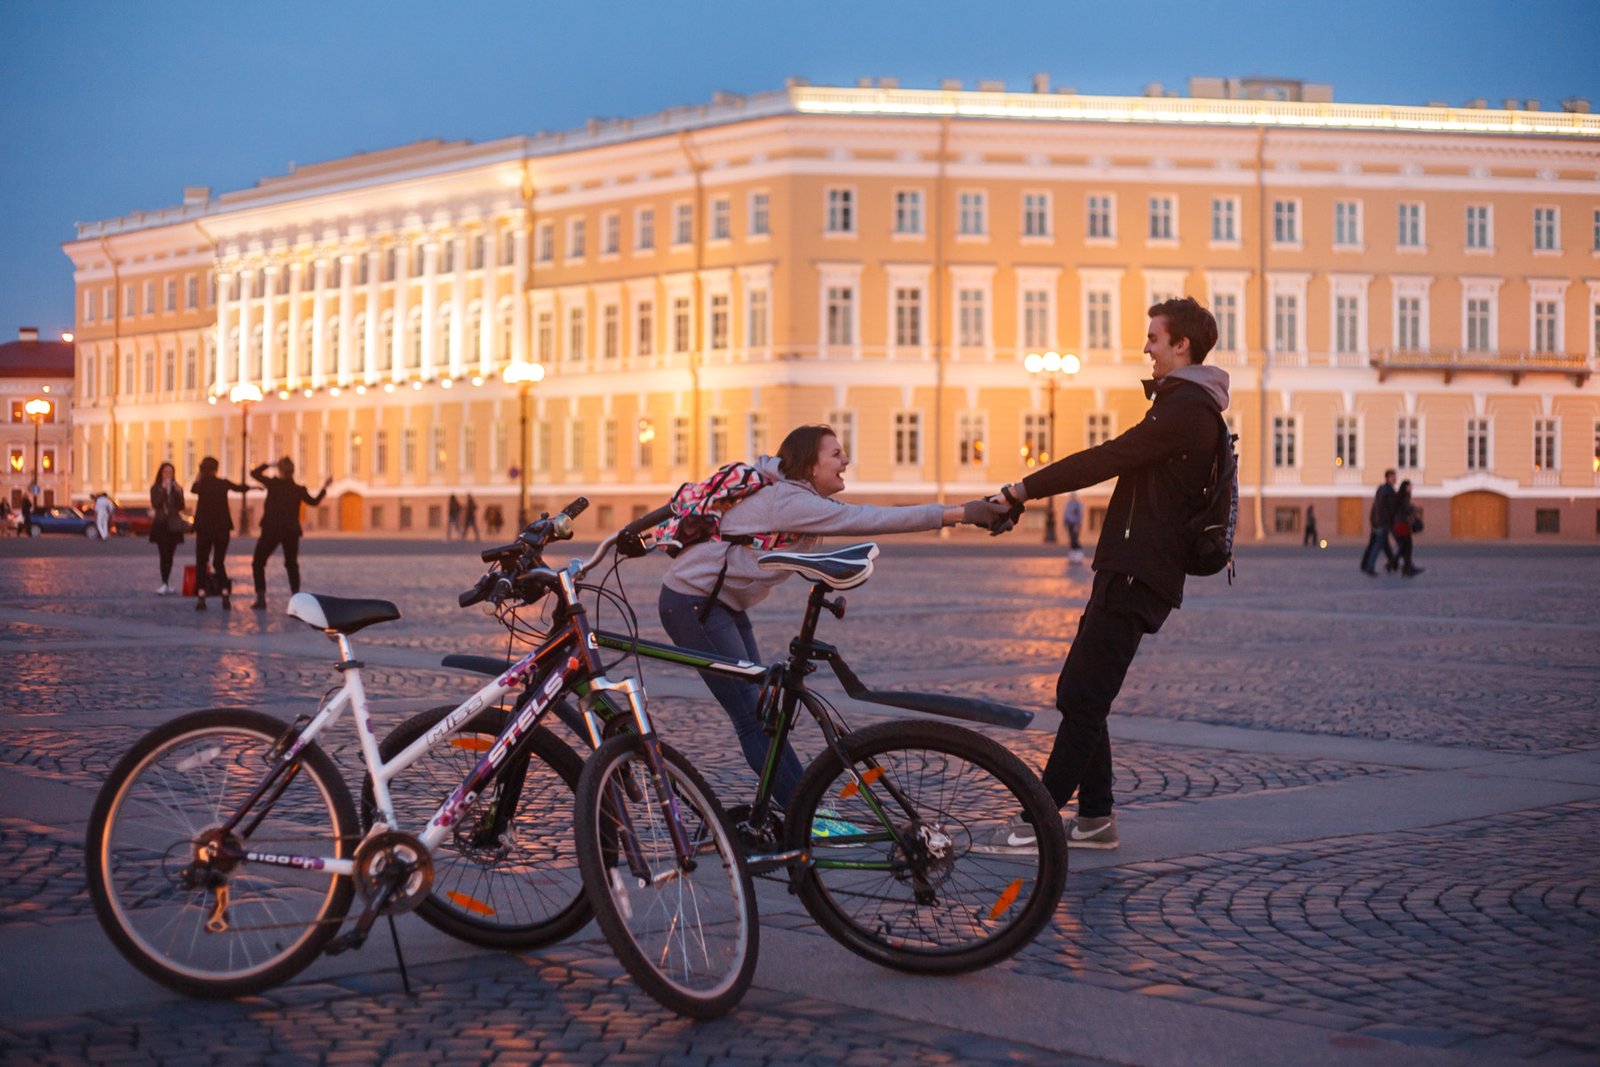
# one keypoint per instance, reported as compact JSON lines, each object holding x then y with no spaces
{"x":1121,"y":610}
{"x":265,"y":546}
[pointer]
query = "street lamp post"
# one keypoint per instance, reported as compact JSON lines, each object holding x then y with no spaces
{"x":37,"y":409}
{"x":244,"y":394}
{"x":1051,"y":365}
{"x":522,"y":374}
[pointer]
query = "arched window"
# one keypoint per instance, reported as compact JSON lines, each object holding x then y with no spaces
{"x":503,"y":330}
{"x":253,"y":372}
{"x":385,"y":360}
{"x":280,"y":352}
{"x":475,"y":331}
{"x":307,"y":334}
{"x":414,"y":339}
{"x":330,"y":357}
{"x":361,"y":341}
{"x":441,"y":348}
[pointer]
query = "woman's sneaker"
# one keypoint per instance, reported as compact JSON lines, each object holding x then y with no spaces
{"x":1092,"y":833}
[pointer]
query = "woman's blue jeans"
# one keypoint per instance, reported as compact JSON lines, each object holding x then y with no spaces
{"x":728,"y":633}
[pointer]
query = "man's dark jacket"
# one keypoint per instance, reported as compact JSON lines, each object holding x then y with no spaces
{"x":280,"y":515}
{"x":1382,"y":514}
{"x":1161,"y":466}
{"x":211,"y":515}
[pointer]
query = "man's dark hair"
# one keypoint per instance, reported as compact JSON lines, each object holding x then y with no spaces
{"x":799,"y":451}
{"x":1186,"y":318}
{"x":1388,"y":474}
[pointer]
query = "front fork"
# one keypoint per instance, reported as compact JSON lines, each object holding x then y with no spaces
{"x":660,"y":780}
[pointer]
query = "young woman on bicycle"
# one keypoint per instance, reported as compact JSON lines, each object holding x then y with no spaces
{"x":711,"y":586}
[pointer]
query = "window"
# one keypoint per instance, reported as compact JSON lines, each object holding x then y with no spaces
{"x":1478,"y":232}
{"x":682,"y":224}
{"x":645,"y":340}
{"x":908,"y":212}
{"x":150,"y":296}
{"x":1100,"y":218}
{"x":1096,"y":428}
{"x":88,"y":305}
{"x":149,"y":372}
{"x":408,"y":450}
{"x":841,"y":315}
{"x":1346,"y":441}
{"x":608,"y":444}
{"x":508,"y":248}
{"x":1546,"y":326}
{"x":969,"y":439}
{"x":1479,"y":338}
{"x":130,"y":303}
{"x":610,"y":233}
{"x":476,"y":251}
{"x":972,"y":220}
{"x":907,"y":317}
{"x":1408,"y":323}
{"x":353,"y":456}
{"x":644,"y":436}
{"x":644,"y":229}
{"x":1408,"y":442}
{"x":1477,"y":444}
{"x":1286,"y":222}
{"x":1097,"y":325}
{"x":1225,"y":309}
{"x":447,"y":257}
{"x":610,"y":331}
{"x":1035,"y":439}
{"x":576,"y":347}
{"x":1548,"y":520}
{"x":1285,"y":322}
{"x":169,"y":370}
{"x":1544,"y":444}
{"x":1546,"y":237}
{"x":907,"y":438}
{"x":1410,"y":226}
{"x":467,"y":461}
{"x":755,"y":318}
{"x":1347,"y":324}
{"x":1035,"y":318}
{"x":844,"y":428}
{"x":1283,"y":441}
{"x":577,"y":238}
{"x":719,"y":321}
{"x":721,"y":218}
{"x":172,"y":294}
{"x":1595,"y":245}
{"x":574,"y":450}
{"x":680,"y":440}
{"x":680,"y":324}
{"x":841,"y":211}
{"x":969,"y":308}
{"x":391,"y":259}
{"x":1347,"y":223}
{"x":760,"y":215}
{"x":544,"y":336}
{"x":380,"y":453}
{"x":716,"y":440}
{"x":1162,"y":219}
{"x":544,"y":242}
{"x":1036,"y":214}
{"x":1224,"y":219}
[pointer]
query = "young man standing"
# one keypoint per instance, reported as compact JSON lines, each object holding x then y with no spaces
{"x":1162,"y":466}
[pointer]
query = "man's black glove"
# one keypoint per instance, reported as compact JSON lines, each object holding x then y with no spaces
{"x":1007,"y":522}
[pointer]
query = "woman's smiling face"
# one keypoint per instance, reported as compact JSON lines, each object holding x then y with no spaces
{"x":827,"y":476}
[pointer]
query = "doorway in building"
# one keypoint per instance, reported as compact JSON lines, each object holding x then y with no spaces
{"x":1480,"y":515}
{"x":350,"y":510}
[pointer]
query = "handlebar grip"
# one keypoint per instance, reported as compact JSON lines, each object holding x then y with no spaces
{"x":471,"y":596}
{"x":644,"y":522}
{"x":576,"y":508}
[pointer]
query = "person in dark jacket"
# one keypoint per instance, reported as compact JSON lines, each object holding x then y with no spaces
{"x":166,"y":521}
{"x":1381,"y":519}
{"x":1162,"y":466}
{"x":1407,"y":524}
{"x":213,"y":529}
{"x":280,"y":525}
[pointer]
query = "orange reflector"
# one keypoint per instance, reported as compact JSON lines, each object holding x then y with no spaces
{"x":1008,"y":898}
{"x":866,"y":779}
{"x":472,"y":744}
{"x":478,"y":907}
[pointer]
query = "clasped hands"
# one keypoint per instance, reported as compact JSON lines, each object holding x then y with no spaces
{"x":998,"y":513}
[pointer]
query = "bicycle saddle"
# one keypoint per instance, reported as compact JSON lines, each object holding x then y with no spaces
{"x":337,"y":614}
{"x":843,"y":568}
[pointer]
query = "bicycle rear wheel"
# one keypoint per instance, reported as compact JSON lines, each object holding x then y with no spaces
{"x":924,"y":903}
{"x":689,"y":938}
{"x":497,"y":882}
{"x":217,"y":929}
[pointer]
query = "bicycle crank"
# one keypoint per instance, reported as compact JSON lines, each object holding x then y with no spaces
{"x":395,"y":866}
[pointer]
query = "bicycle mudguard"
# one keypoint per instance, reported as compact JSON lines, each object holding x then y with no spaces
{"x":948,"y":706}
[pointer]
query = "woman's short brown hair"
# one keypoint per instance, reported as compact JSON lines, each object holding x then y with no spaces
{"x":799,"y":451}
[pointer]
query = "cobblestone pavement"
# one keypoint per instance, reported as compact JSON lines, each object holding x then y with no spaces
{"x":1357,"y":814}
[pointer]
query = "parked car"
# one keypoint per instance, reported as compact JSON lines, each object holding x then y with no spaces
{"x":137,"y":520}
{"x":60,"y":520}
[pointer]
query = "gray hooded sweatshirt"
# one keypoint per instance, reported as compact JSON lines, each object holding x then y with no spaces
{"x":791,"y":507}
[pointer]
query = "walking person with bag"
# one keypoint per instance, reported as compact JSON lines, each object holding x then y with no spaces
{"x":213,"y":529}
{"x":1407,"y":524}
{"x":1381,"y":519}
{"x":166,"y":521}
{"x":1163,"y":466}
{"x":280,"y":525}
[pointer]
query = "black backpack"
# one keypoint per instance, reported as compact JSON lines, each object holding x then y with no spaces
{"x":1208,"y":544}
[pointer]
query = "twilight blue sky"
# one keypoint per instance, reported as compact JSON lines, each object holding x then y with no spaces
{"x":110,"y":106}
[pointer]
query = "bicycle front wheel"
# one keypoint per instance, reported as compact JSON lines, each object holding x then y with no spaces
{"x":894,"y":877}
{"x":506,"y":874}
{"x":688,"y":937}
{"x":216,"y":927}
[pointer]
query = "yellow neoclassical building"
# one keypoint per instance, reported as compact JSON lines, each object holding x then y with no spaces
{"x":1409,"y":287}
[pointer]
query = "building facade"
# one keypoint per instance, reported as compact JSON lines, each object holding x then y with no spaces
{"x":1416,"y":288}
{"x":35,"y":404}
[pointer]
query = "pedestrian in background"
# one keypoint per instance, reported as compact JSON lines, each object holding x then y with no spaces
{"x":102,"y":515}
{"x":470,"y":522}
{"x":27,"y":514}
{"x":280,"y":525}
{"x":452,"y":522}
{"x":5,"y":516}
{"x":1072,"y":519}
{"x":1381,"y":519}
{"x":213,"y":529}
{"x":1311,"y":537}
{"x":1407,"y":524}
{"x":166,"y":521}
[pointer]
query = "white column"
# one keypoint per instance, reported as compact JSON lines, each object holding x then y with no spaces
{"x":488,"y":298}
{"x":268,"y":325}
{"x":458,"y":301}
{"x":347,"y":313}
{"x":519,"y":292}
{"x":430,"y":309}
{"x":224,"y":313}
{"x":369,"y":362}
{"x":402,"y":308}
{"x":246,"y":280}
{"x":319,"y":322}
{"x":291,"y":287}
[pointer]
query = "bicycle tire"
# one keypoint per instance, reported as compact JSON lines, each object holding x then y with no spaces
{"x":982,"y":908}
{"x":690,"y":940}
{"x":520,"y":891}
{"x":179,"y":780}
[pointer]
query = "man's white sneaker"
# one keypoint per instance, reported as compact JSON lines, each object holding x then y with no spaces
{"x":1092,"y":833}
{"x":1015,"y":838}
